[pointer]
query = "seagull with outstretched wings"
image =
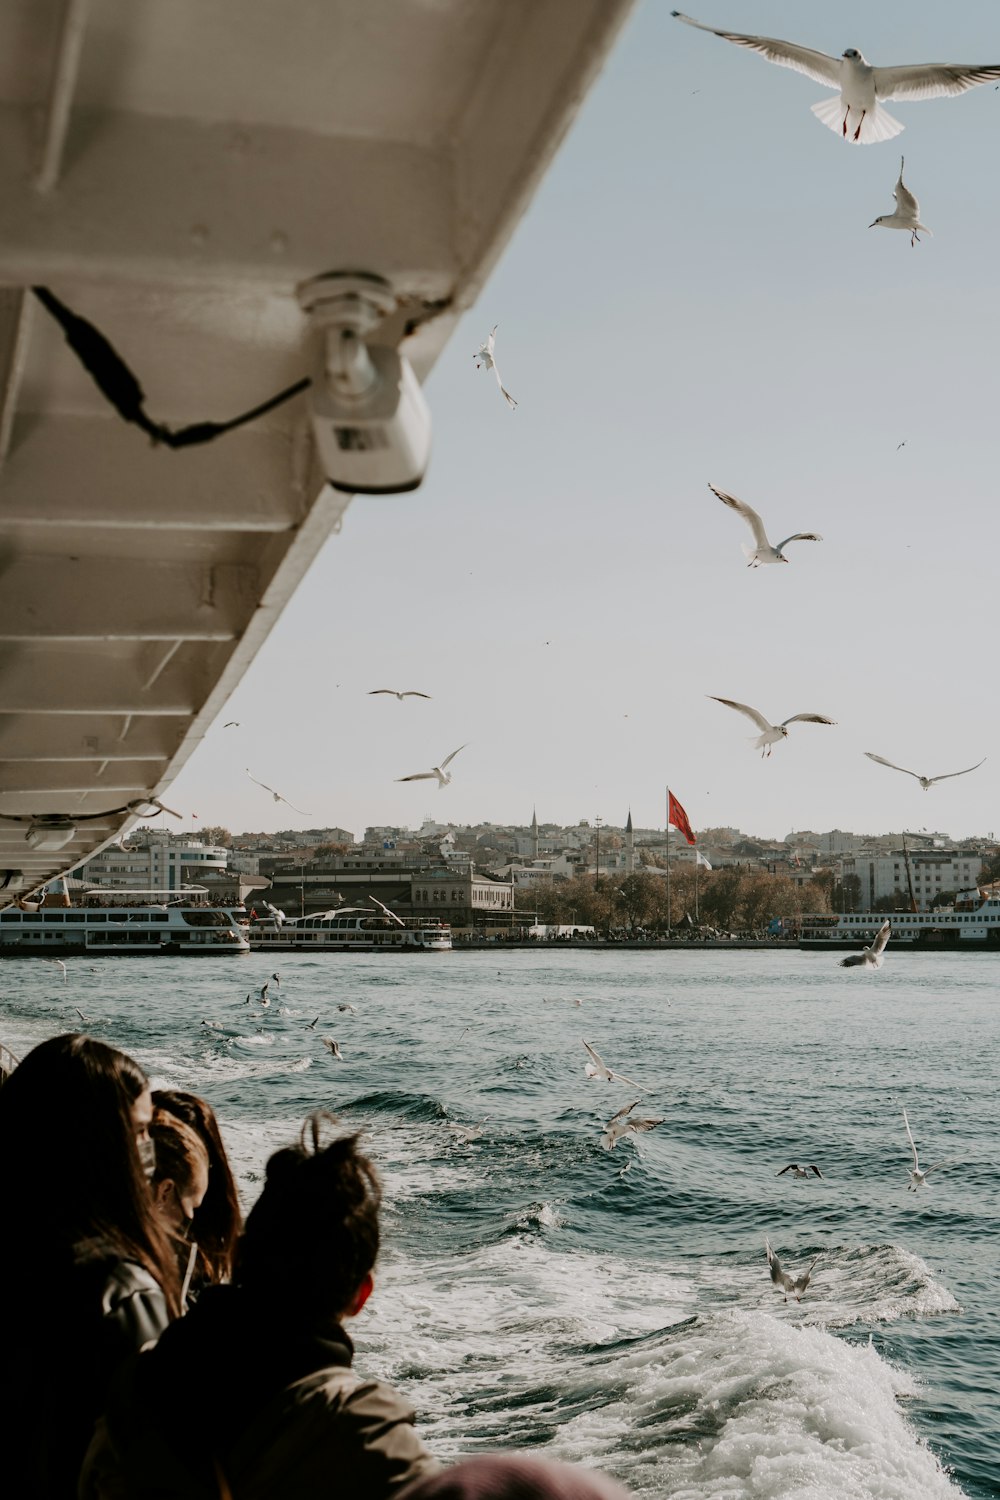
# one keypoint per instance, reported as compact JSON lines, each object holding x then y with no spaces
{"x":277,"y":795}
{"x":770,"y":734}
{"x":394,"y":693}
{"x":485,"y":360}
{"x":856,"y":113}
{"x":437,"y":773}
{"x":925,"y":781}
{"x":870,"y":958}
{"x":761,"y":551}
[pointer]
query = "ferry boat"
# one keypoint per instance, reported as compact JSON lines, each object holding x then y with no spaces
{"x":967,"y":925}
{"x":116,"y":922}
{"x":349,"y":929}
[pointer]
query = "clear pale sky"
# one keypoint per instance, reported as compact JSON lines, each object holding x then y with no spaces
{"x":695,"y":295}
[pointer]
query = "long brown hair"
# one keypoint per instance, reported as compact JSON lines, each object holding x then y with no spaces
{"x":217,"y":1223}
{"x":69,"y":1162}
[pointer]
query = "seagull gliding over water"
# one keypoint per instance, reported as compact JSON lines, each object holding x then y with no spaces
{"x":798,"y":1171}
{"x":772,"y":733}
{"x":906,"y":214}
{"x":762,"y":552}
{"x":918,"y":1178}
{"x":870,"y":958}
{"x":393,"y":693}
{"x":619,"y":1125}
{"x":857,"y":114}
{"x":781,"y":1278}
{"x":597,"y":1068}
{"x":925,"y":781}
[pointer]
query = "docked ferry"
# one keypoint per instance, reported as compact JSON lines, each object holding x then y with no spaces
{"x":349,"y":929}
{"x":967,"y":925}
{"x":119,"y":922}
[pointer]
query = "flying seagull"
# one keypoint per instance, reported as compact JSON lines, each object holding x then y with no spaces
{"x":772,"y":733}
{"x":786,"y":1283}
{"x":231,"y":724}
{"x":484,"y":360}
{"x":857,"y":114}
{"x":60,"y":963}
{"x":906,"y":214}
{"x":443,"y":776}
{"x":333,"y":1048}
{"x":597,"y":1068}
{"x":798,"y":1171}
{"x":392,"y":692}
{"x":393,"y":916}
{"x":619,"y":1125}
{"x":467,"y":1132}
{"x":925,"y":781}
{"x":277,"y":796}
{"x":762,"y":552}
{"x":870,"y":958}
{"x":312,"y":1025}
{"x":918,"y":1176}
{"x":351,"y":1010}
{"x":83,"y":1018}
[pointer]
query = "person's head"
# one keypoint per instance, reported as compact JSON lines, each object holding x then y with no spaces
{"x":312,"y":1237}
{"x":75,"y":1154}
{"x":180,"y":1178}
{"x":218,"y":1220}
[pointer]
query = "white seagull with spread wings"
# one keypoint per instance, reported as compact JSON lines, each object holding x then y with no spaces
{"x":906,"y":214}
{"x":597,"y":1068}
{"x":925,"y":781}
{"x":762,"y":551}
{"x":856,"y":113}
{"x":918,"y":1177}
{"x":437,"y":773}
{"x":870,"y":958}
{"x":277,"y":795}
{"x":484,"y":359}
{"x":620,"y":1125}
{"x":394,"y":693}
{"x":781,"y":1278}
{"x":771,"y":733}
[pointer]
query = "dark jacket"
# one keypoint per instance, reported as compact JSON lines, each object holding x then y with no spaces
{"x":237,"y":1399}
{"x":58,"y":1354}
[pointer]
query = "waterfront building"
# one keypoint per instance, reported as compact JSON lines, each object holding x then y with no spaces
{"x":935,"y":872}
{"x":147,"y":861}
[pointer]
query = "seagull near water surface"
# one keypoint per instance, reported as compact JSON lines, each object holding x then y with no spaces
{"x":798,"y":1171}
{"x":925,"y":781}
{"x":485,"y":360}
{"x":439,"y":773}
{"x":918,"y":1177}
{"x":782,"y":1279}
{"x":856,"y":114}
{"x":597,"y":1068}
{"x":771,"y":733}
{"x":906,"y":215}
{"x":870,"y":958}
{"x":620,"y":1125}
{"x":762,"y":551}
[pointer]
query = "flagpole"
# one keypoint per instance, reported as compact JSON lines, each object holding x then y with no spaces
{"x":668,"y":861}
{"x":697,"y":863}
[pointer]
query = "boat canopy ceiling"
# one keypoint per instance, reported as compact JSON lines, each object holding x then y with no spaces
{"x":171,"y":170}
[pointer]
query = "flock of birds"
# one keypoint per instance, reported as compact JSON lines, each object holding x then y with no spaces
{"x":623,"y":1124}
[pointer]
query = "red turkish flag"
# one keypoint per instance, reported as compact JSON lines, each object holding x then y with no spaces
{"x":678,"y":818}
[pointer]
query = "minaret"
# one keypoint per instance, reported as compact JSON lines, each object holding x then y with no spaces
{"x":534,"y":834}
{"x":629,"y":846}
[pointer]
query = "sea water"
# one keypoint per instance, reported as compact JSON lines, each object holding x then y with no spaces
{"x":614,"y":1308}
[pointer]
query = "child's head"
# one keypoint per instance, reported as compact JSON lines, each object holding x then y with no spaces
{"x":312,"y":1237}
{"x":180,"y":1179}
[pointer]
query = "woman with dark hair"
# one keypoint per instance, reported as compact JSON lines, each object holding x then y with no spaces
{"x":252,"y":1393}
{"x":217,"y":1221}
{"x":179,"y":1183}
{"x":87,"y":1272}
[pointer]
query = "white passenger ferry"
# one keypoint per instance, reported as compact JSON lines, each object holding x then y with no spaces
{"x":350,"y":928}
{"x":115,"y":922}
{"x":970,"y":924}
